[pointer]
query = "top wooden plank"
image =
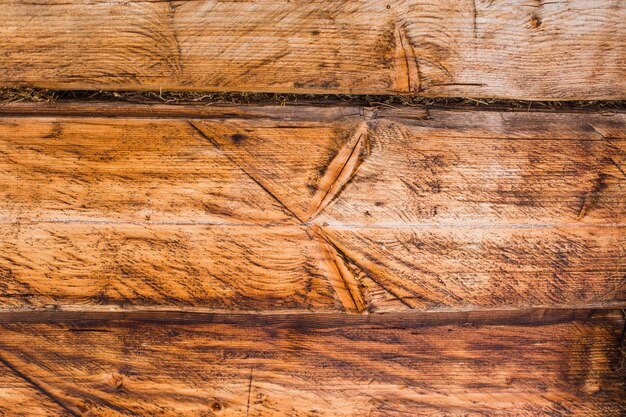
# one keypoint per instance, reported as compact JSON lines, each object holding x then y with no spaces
{"x":522,"y":49}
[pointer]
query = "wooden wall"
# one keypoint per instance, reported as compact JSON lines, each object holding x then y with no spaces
{"x":318,"y":258}
{"x":306,"y":260}
{"x":523,"y":49}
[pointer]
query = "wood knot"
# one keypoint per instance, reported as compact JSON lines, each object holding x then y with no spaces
{"x":115,"y":380}
{"x":217,"y":407}
{"x":535,"y":21}
{"x":237,"y":138}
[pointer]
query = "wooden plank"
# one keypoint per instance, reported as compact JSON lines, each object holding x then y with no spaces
{"x":452,"y":167}
{"x":287,"y":268}
{"x":327,"y":366}
{"x":272,"y":209}
{"x":433,"y":269}
{"x":521,"y":49}
{"x":455,"y":166}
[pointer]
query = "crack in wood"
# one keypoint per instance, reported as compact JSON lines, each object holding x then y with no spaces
{"x":347,"y":286}
{"x":249,"y":392}
{"x":474,"y":15}
{"x":408,"y":79}
{"x":339,"y":173}
{"x":176,"y":65}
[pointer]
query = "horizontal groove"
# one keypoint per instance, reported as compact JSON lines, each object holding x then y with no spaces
{"x":28,"y":101}
{"x":539,"y":315}
{"x":327,"y":225}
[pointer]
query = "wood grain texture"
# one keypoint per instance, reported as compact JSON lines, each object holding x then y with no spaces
{"x":431,"y":269}
{"x":216,"y":267}
{"x":524,"y":49}
{"x":101,"y":170}
{"x":287,"y":268}
{"x":463,"y":167}
{"x":341,"y":209}
{"x":18,"y":396}
{"x":308,"y":365}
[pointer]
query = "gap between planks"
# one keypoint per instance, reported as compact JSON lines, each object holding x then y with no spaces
{"x":409,"y":318}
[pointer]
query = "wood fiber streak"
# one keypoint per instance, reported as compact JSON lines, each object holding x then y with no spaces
{"x":219,"y":267}
{"x":345,"y":209}
{"x":467,"y":167}
{"x":524,"y":49}
{"x":299,"y":369}
{"x":431,"y":269}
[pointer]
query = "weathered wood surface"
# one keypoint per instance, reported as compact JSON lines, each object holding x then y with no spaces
{"x":285,"y":268}
{"x":331,"y":167}
{"x":524,"y":49}
{"x":312,"y":365}
{"x":312,"y":209}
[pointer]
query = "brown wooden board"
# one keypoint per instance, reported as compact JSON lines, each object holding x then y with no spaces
{"x":311,"y":209}
{"x":305,"y":365}
{"x":523,"y":49}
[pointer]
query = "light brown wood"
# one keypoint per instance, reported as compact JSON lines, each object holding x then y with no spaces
{"x":432,"y":269}
{"x":312,"y":209}
{"x":314,"y":365}
{"x":108,"y":170}
{"x":19,"y":398}
{"x":74,"y":265}
{"x":524,"y":49}
{"x":450,"y":167}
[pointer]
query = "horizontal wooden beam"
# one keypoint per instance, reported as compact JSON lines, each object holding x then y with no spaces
{"x":348,"y":367}
{"x":522,"y":49}
{"x":294,"y":268}
{"x":309,"y":208}
{"x":381,"y":168}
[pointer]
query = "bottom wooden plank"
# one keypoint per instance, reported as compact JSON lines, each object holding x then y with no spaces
{"x":313,"y":365}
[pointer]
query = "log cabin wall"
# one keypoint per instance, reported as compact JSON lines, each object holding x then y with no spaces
{"x":312,"y":255}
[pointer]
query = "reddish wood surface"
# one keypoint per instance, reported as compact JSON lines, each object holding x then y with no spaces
{"x":344,"y":209}
{"x":326,"y":365}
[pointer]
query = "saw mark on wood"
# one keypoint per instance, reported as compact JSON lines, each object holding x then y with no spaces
{"x":39,"y":388}
{"x":177,"y":65}
{"x":234,"y":162}
{"x":408,"y":75}
{"x":611,"y":145}
{"x":616,"y":165}
{"x":592,"y":196}
{"x":370,"y":275}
